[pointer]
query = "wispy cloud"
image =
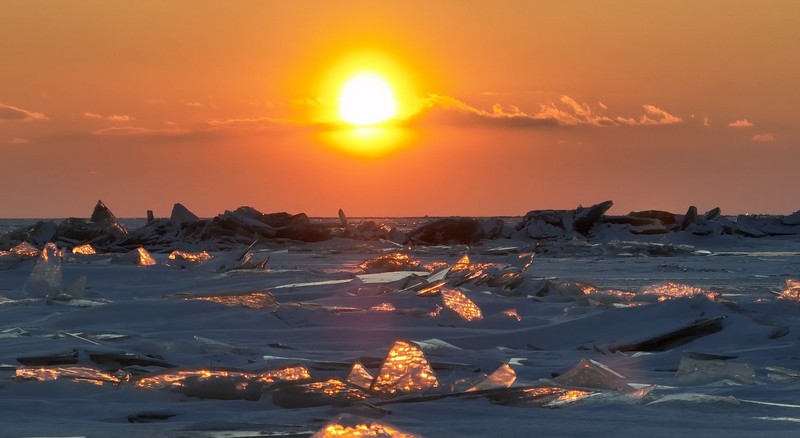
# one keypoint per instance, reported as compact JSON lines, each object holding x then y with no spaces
{"x":743,"y":123}
{"x":194,"y":104}
{"x":766,"y":138}
{"x":564,"y":112}
{"x":254,"y":122}
{"x":653,"y":116}
{"x":134,"y":130}
{"x":18,"y":140}
{"x":10,"y":113}
{"x":111,"y":118}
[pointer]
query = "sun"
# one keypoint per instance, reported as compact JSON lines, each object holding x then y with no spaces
{"x":367,"y":99}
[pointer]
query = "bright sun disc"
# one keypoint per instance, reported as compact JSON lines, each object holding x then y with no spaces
{"x":367,"y":99}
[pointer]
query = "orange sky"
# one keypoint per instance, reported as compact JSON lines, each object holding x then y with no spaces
{"x":508,"y":106}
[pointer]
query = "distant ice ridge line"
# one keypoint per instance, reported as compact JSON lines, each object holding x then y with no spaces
{"x":579,"y":227}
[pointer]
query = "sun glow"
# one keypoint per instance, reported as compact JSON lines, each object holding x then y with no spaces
{"x":367,"y":99}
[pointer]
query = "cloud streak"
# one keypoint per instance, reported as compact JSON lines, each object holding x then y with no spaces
{"x":111,"y":118}
{"x":127,"y":131}
{"x":766,"y":138}
{"x":10,"y":113}
{"x":743,"y":123}
{"x":439,"y":109}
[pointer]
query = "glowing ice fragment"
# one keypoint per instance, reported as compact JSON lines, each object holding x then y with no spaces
{"x":390,"y":277}
{"x":360,"y":376}
{"x":395,"y":261}
{"x":178,"y":378}
{"x":78,"y":374}
{"x":671,"y":290}
{"x":253,"y":300}
{"x":46,"y":277}
{"x":190,"y":257}
{"x":502,"y":377}
{"x":24,"y":249}
{"x":383,"y":307}
{"x":462,"y":264}
{"x":512,"y":313}
{"x":346,"y":426}
{"x":143,"y":258}
{"x":792,"y":291}
{"x":463,"y":306}
{"x":432,"y":290}
{"x":594,"y":375}
{"x":334,"y":388}
{"x":405,"y":369}
{"x":84,"y":249}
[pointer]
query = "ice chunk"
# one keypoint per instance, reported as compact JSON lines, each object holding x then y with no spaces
{"x":25,"y":249}
{"x":539,"y":396}
{"x":593,"y":375}
{"x":792,"y":291}
{"x":78,"y":289}
{"x":360,"y":376}
{"x":405,"y":369}
{"x":390,"y":277}
{"x":253,"y":300}
{"x":395,"y":261}
{"x":698,"y":372}
{"x":191,"y":257}
{"x":181,"y":214}
{"x":512,"y":313}
{"x":177,"y":379}
{"x":105,"y":218}
{"x":463,"y":306}
{"x":502,"y":377}
{"x":348,"y":426}
{"x":383,"y":307}
{"x":76,"y":373}
{"x":671,"y":290}
{"x":85,"y":249}
{"x":141,"y":257}
{"x":46,"y":277}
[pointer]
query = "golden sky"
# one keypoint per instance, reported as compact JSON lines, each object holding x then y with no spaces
{"x":504,"y":106}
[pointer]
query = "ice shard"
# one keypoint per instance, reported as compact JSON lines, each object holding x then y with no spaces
{"x":395,"y":261}
{"x":512,"y":313}
{"x":460,"y":304}
{"x":360,"y":376}
{"x":85,"y":249}
{"x":671,"y":290}
{"x":253,"y":300}
{"x":539,"y":396}
{"x":78,"y":289}
{"x":319,"y":393}
{"x":177,"y":379}
{"x":405,"y":369}
{"x":140,"y":257}
{"x":792,"y":291}
{"x":76,"y":373}
{"x":349,"y":426}
{"x":105,"y":218}
{"x":502,"y":377}
{"x":181,"y":214}
{"x":24,"y":249}
{"x":699,"y":372}
{"x":46,"y":278}
{"x":593,"y":375}
{"x":199,"y":257}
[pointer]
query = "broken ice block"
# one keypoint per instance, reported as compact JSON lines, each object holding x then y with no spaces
{"x":85,"y":249}
{"x":395,"y":261}
{"x":253,"y":300}
{"x":143,"y":258}
{"x":502,"y":377}
{"x":670,"y":290}
{"x":348,"y":426}
{"x":176,"y":379}
{"x":25,"y":249}
{"x":45,"y":279}
{"x":594,"y":375}
{"x":792,"y":291}
{"x":190,"y":257}
{"x":405,"y":369}
{"x":360,"y":376}
{"x":463,"y":306}
{"x":79,"y":374}
{"x":699,"y":372}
